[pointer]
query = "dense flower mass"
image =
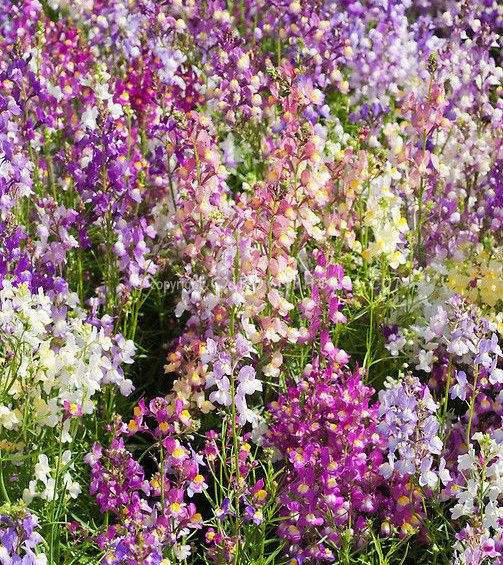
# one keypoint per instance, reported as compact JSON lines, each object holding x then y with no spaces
{"x":20,"y":540}
{"x":251,"y":282}
{"x":326,"y":431}
{"x":410,"y":426}
{"x":150,"y":514}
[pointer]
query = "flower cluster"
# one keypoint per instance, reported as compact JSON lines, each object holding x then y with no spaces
{"x":327,"y":431}
{"x":478,"y":499}
{"x":288,"y":214}
{"x":20,"y":541}
{"x":410,"y":427}
{"x":153,"y":516}
{"x":52,"y":356}
{"x":224,"y":370}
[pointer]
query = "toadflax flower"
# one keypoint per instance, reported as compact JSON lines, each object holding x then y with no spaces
{"x":326,"y":430}
{"x":478,"y":501}
{"x":20,"y":539}
{"x":410,"y":427}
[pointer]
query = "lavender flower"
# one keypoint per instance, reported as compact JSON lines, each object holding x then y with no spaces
{"x":411,"y":428}
{"x":20,"y":542}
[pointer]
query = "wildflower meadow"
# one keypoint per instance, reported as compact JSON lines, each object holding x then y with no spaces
{"x":251,"y":282}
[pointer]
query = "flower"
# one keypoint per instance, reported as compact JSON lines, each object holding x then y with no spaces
{"x":20,"y":540}
{"x":327,"y":431}
{"x":411,"y":428}
{"x":72,"y":409}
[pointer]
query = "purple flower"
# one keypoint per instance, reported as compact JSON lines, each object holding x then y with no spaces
{"x":410,"y":427}
{"x":224,"y":509}
{"x":19,"y":537}
{"x":255,"y":515}
{"x":459,"y":389}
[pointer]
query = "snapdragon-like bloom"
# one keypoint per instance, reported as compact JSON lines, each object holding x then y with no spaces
{"x":326,"y":430}
{"x":48,"y":485}
{"x":54,"y":359}
{"x":20,"y":540}
{"x":329,"y":288}
{"x":233,"y":383}
{"x":152,"y":515}
{"x":410,"y":426}
{"x":478,"y":491}
{"x":395,"y":340}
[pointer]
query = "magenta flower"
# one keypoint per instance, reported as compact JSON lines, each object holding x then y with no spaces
{"x":71,"y":410}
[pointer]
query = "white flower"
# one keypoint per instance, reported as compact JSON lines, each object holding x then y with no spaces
{"x":483,"y":489}
{"x":101,"y":92}
{"x":461,"y":510}
{"x":115,"y":110}
{"x":492,"y":514}
{"x":89,"y":118}
{"x":466,"y":461}
{"x":396,"y":259}
{"x":395,"y":344}
{"x":458,"y":347}
{"x":428,"y":478}
{"x":8,"y":418}
{"x":55,"y":91}
{"x":49,"y":493}
{"x":259,"y":429}
{"x":425,"y":361}
{"x":181,"y":551}
{"x":73,"y":488}
{"x":496,"y":376}
{"x":444,"y":473}
{"x":42,"y":468}
{"x":30,"y":492}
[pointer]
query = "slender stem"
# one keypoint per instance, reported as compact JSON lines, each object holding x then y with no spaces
{"x":472,"y":404}
{"x":56,"y":494}
{"x":2,"y":482}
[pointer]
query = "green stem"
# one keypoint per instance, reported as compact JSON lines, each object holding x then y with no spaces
{"x":2,"y":482}
{"x":53,"y":518}
{"x":472,"y":405}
